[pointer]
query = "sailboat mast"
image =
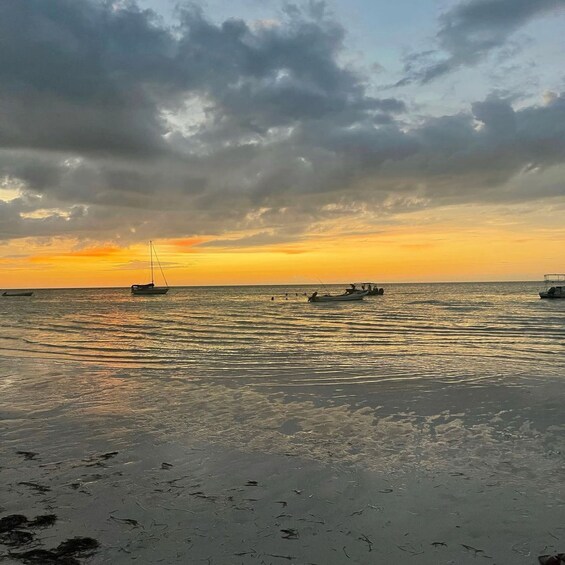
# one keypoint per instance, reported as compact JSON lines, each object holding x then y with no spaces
{"x":151,"y":254}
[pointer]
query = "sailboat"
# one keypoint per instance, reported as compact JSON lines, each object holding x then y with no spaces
{"x":150,"y":288}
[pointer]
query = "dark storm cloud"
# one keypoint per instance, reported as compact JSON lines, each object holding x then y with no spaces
{"x":114,"y":125}
{"x":81,"y":76}
{"x":94,"y":77}
{"x":471,"y":30}
{"x":469,"y":157}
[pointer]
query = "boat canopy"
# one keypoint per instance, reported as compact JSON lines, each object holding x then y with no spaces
{"x":554,"y":278}
{"x":148,"y":285}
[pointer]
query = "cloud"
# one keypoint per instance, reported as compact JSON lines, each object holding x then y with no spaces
{"x":260,"y":239}
{"x":82,"y":77}
{"x":98,"y":252}
{"x":186,"y":244}
{"x":470,"y":30}
{"x":106,"y":251}
{"x":117,"y":127}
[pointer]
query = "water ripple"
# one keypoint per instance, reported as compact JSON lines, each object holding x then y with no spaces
{"x":415,"y":330}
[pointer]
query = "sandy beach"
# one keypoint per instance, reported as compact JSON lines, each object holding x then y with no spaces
{"x":291,"y":495}
{"x":179,"y":504}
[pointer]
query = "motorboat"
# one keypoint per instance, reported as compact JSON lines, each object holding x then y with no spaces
{"x":150,"y":289}
{"x":372,"y":289}
{"x":17,"y":293}
{"x":554,"y":286}
{"x":346,"y":297}
{"x":375,"y":291}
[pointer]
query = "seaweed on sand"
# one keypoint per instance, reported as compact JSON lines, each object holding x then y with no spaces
{"x":65,"y":553}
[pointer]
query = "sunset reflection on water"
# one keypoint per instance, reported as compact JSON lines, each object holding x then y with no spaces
{"x":402,"y":379}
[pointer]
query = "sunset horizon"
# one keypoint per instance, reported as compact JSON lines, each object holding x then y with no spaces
{"x":263,"y":144}
{"x":110,"y":266}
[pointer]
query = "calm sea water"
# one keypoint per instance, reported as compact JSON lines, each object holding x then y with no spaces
{"x":428,"y":375}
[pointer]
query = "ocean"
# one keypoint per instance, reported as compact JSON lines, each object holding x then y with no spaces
{"x":462,"y":378}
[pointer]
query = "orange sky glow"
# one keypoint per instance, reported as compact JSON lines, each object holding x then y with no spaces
{"x":443,"y":245}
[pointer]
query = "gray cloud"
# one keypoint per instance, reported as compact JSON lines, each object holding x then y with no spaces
{"x":258,"y":239}
{"x":470,"y":31}
{"x":116,"y":126}
{"x":81,"y":77}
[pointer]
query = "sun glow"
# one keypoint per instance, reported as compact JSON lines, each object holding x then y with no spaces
{"x":447,"y":244}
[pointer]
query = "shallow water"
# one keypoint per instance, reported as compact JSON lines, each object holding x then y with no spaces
{"x":427,"y":376}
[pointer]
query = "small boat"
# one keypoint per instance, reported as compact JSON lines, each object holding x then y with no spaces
{"x":554,"y":286}
{"x":150,"y":289}
{"x":17,"y":293}
{"x":375,"y":291}
{"x":346,"y":297}
{"x":371,"y":288}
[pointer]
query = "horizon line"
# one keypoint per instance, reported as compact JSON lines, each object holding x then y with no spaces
{"x":309,"y":284}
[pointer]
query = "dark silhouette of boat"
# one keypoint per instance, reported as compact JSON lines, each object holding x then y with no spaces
{"x":554,"y":286}
{"x":371,"y":289}
{"x":17,"y":293}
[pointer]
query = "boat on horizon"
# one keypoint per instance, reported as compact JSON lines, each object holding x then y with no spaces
{"x":345,"y":297}
{"x":17,"y":293}
{"x":554,"y":286}
{"x":149,"y":289}
{"x":372,"y":289}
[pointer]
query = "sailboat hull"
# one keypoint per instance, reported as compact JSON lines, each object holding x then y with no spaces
{"x":149,"y":291}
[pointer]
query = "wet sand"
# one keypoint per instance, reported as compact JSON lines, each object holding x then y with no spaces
{"x":206,"y":504}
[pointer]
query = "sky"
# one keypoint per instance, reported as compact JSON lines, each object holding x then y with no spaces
{"x":270,"y":142}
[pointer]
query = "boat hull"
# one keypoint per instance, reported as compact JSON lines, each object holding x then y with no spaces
{"x":551,"y":296}
{"x":338,"y":298}
{"x":371,"y":288}
{"x":8,"y":293}
{"x":149,"y":291}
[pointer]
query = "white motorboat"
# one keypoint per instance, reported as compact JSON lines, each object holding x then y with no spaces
{"x":150,"y":289}
{"x":346,"y":297}
{"x":554,"y":286}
